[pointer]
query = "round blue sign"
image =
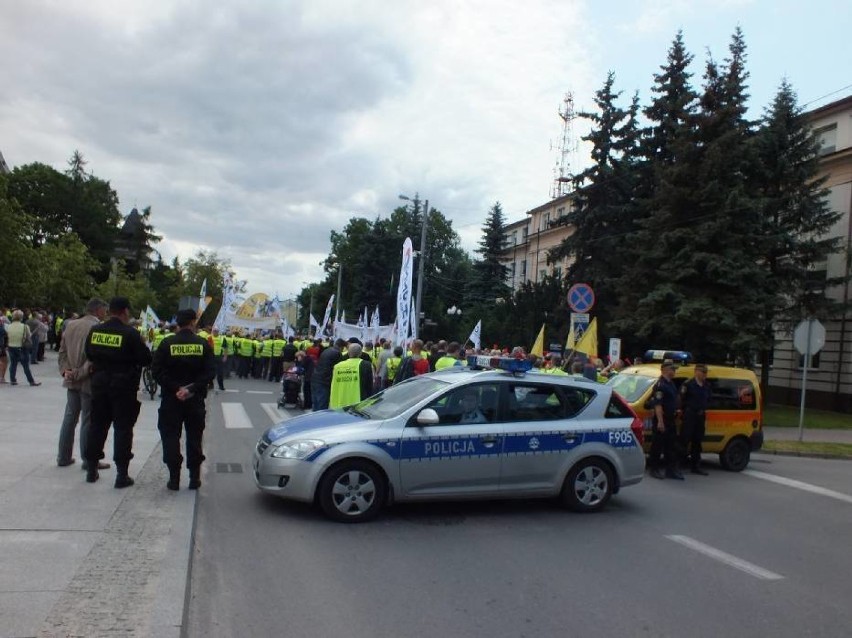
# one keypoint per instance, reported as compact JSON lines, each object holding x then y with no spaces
{"x":581,"y":298}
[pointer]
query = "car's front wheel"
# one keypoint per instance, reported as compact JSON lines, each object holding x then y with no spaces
{"x":588,"y":485}
{"x":352,"y":491}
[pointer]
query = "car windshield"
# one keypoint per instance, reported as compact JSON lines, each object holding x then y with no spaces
{"x":398,"y":398}
{"x":631,"y":387}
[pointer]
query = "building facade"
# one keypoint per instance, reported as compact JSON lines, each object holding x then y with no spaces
{"x":829,"y":383}
{"x":529,"y":240}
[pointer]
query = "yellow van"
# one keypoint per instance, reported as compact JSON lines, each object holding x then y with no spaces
{"x":734,"y":423}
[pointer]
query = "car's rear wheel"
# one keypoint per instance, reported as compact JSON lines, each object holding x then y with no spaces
{"x":736,"y":455}
{"x":588,"y":485}
{"x":352,"y":491}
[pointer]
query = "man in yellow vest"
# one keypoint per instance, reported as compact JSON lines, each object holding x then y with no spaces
{"x":351,"y":379}
{"x":391,"y":366}
{"x":266,"y":356}
{"x":450,"y":359}
{"x":220,"y":353}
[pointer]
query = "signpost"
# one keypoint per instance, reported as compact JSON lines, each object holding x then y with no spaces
{"x":808,"y":338}
{"x":581,"y":298}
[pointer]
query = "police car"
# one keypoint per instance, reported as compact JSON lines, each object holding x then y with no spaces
{"x":462,"y":433}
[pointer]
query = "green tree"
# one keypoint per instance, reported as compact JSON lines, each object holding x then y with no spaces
{"x":64,"y":276}
{"x":488,"y":281}
{"x":123,"y":284}
{"x":167,"y":283}
{"x":17,"y":256}
{"x":43,"y":193}
{"x":205,"y":265}
{"x":796,"y":220}
{"x":603,"y":208}
{"x":93,"y":209}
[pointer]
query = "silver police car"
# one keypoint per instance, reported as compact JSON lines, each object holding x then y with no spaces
{"x":462,"y":433}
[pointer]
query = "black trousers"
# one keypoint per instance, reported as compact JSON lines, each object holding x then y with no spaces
{"x":692,"y":435}
{"x":118,"y":408}
{"x":664,"y":443}
{"x":275,"y":371}
{"x":175,"y":416}
{"x":244,"y":368}
{"x":221,"y":371}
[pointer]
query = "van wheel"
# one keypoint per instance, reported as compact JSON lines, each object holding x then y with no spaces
{"x":735,"y":456}
{"x":588,"y":486}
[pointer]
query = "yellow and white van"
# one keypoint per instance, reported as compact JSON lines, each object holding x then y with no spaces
{"x":734,"y":423}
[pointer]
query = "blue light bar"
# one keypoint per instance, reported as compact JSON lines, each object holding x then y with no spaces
{"x":677,"y":356}
{"x":482,"y":362}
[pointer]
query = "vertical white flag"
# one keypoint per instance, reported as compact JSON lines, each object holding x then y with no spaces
{"x":403,"y":293}
{"x":476,"y":336}
{"x":202,"y":298}
{"x":325,"y":319}
{"x":413,"y":321}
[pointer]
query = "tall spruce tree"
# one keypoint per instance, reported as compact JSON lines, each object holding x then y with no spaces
{"x":665,"y":203}
{"x":602,"y":214}
{"x":489,"y":273}
{"x":708,"y":289}
{"x":796,"y":219}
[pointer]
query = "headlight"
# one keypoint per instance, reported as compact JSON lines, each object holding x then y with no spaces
{"x":297,"y":449}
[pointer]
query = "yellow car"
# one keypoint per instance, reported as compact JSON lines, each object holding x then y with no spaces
{"x":734,"y":422}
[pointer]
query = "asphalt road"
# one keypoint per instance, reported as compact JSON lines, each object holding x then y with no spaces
{"x":761,"y":553}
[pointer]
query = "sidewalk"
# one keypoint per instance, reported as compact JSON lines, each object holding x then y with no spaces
{"x":84,"y":559}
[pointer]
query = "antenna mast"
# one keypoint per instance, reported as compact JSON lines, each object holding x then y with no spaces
{"x":562,"y":176}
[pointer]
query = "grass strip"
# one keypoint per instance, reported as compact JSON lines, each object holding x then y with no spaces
{"x":785,"y":416}
{"x":809,"y":447}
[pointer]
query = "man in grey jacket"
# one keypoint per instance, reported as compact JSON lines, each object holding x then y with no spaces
{"x":77,"y":382}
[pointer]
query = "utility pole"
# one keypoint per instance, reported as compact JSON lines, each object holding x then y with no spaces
{"x":419,"y":301}
{"x":337,"y":298}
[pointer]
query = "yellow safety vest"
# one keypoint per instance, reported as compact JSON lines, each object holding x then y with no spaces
{"x":392,"y":366}
{"x":345,"y":383}
{"x":219,"y":344}
{"x":446,"y":362}
{"x":278,"y":347}
{"x":267,"y":348}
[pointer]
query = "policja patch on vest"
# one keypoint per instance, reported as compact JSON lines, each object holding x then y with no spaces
{"x":186,"y":349}
{"x":106,"y":339}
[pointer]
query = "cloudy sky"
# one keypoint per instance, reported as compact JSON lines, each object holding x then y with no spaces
{"x":255,"y":128}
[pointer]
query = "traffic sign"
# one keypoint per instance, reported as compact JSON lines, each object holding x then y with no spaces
{"x":581,"y":298}
{"x":614,"y":349}
{"x":809,"y":337}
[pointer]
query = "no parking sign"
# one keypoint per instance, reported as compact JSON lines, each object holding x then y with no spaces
{"x":581,"y":297}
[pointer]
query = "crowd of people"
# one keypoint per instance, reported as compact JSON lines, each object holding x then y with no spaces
{"x":103,"y":352}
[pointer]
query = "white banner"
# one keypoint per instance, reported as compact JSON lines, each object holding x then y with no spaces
{"x":476,"y":336}
{"x":326,"y":318}
{"x":202,"y":298}
{"x":403,"y":294}
{"x":232,"y":320}
{"x":348,"y":330}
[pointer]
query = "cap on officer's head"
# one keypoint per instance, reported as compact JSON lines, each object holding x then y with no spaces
{"x":118,"y":304}
{"x":701,"y":366}
{"x":185,"y":317}
{"x":355,"y":340}
{"x":668,"y":365}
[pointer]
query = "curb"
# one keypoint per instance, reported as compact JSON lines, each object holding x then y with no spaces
{"x":809,"y":455}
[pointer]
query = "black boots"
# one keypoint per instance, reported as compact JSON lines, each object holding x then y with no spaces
{"x":92,"y":473}
{"x":194,"y":478}
{"x":121,"y":478}
{"x":174,"y":478}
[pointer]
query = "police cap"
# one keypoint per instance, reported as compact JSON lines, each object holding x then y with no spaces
{"x":118,"y":304}
{"x":185,"y":317}
{"x":668,"y":365}
{"x":701,"y":366}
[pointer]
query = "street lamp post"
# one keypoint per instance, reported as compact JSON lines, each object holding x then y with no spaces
{"x":419,"y":300}
{"x":454,"y":311}
{"x":337,"y":297}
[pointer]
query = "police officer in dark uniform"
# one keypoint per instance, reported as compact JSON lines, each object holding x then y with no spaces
{"x":117,"y":355}
{"x":664,"y":400}
{"x":694,"y":397}
{"x":184,"y":366}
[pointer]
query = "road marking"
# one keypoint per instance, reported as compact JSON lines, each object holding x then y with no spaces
{"x":799,"y":485}
{"x":229,"y":390}
{"x":275,"y":413}
{"x":236,"y":416}
{"x":259,"y":392}
{"x":727,"y":559}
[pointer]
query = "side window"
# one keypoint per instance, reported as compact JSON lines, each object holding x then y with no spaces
{"x":467,"y":405}
{"x":731,"y":394}
{"x":541,"y":402}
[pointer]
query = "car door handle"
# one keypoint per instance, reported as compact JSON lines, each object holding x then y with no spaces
{"x":569,"y":438}
{"x":488,"y":441}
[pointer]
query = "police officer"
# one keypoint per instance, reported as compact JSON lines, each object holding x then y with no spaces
{"x":117,"y":354}
{"x":183,"y":365}
{"x":664,"y":401}
{"x":221,"y":349}
{"x":694,"y":397}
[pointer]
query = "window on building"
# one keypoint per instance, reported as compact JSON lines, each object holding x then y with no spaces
{"x":827,"y":138}
{"x":524,"y":269}
{"x":545,"y":221}
{"x":560,"y":212}
{"x":526,"y":233}
{"x":814,"y":361}
{"x":557,"y":272}
{"x":514,"y":237}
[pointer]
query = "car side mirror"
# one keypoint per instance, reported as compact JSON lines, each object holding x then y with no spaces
{"x":428,"y":417}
